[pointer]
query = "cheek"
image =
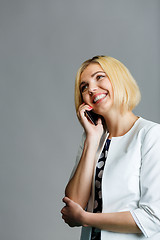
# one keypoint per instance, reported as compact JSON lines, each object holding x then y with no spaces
{"x":107,"y":86}
{"x":85,"y":98}
{"x":82,"y":98}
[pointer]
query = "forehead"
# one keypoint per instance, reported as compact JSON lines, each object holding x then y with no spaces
{"x":89,"y":70}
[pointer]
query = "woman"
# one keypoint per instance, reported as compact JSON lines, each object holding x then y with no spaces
{"x":113,"y":190}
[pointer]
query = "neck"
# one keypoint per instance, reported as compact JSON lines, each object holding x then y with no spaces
{"x":119,"y":124}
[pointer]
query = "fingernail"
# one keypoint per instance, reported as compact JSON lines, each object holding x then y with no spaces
{"x":90,"y":107}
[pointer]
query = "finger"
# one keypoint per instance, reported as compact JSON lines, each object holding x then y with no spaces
{"x":63,"y":210}
{"x":63,"y":217}
{"x":87,"y":107}
{"x":99,"y":121}
{"x":80,"y":107}
{"x":84,"y":106}
{"x":66,"y":200}
{"x":83,"y":110}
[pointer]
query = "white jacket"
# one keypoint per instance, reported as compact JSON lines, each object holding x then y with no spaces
{"x":131,"y":180}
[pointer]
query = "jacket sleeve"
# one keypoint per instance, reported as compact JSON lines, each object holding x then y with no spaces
{"x":79,"y":154}
{"x":147,"y":215}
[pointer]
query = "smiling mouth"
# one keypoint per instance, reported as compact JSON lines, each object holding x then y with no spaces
{"x":99,"y":97}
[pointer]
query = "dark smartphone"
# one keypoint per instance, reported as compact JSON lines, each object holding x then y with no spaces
{"x":93,"y":117}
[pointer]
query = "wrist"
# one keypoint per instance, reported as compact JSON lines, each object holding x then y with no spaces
{"x":92,"y":141}
{"x":84,"y":219}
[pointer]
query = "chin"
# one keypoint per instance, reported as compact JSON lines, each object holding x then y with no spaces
{"x":100,"y":112}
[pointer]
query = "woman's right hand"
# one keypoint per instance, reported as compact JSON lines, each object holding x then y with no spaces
{"x":92,"y":131}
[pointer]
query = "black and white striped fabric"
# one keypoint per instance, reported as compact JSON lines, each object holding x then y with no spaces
{"x":96,"y":233}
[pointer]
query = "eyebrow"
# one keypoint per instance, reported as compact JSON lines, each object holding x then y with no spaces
{"x":96,"y":73}
{"x":91,"y":76}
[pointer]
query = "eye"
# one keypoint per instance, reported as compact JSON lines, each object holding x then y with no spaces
{"x":98,"y":77}
{"x":83,"y":88}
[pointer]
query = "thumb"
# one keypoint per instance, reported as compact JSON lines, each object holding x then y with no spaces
{"x":99,"y":121}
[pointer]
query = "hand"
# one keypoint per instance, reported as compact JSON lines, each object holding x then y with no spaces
{"x":90,"y":128}
{"x":72,"y":213}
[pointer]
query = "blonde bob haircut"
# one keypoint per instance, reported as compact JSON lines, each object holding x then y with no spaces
{"x":126,"y":91}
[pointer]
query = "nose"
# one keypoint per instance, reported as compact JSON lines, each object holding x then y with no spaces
{"x":92,"y":89}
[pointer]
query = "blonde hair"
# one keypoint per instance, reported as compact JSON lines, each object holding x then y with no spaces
{"x":126,"y":91}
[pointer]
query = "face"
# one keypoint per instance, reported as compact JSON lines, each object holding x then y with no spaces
{"x":96,"y":88}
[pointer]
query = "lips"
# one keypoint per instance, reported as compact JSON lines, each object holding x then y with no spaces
{"x":98,"y":97}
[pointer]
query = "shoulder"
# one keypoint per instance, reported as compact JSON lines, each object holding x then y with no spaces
{"x":143,"y":130}
{"x":146,"y":127}
{"x":150,"y":136}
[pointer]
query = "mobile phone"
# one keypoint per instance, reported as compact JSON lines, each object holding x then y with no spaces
{"x":93,"y":117}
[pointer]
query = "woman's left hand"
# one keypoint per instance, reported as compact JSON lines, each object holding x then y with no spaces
{"x":72,"y":213}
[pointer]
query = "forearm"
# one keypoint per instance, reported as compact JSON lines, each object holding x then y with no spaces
{"x":79,"y":187}
{"x":121,"y":222}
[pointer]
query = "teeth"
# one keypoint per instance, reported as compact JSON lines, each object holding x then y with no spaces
{"x":99,"y":97}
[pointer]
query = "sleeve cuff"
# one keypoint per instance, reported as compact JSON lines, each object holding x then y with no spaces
{"x":146,"y":222}
{"x":138,"y":223}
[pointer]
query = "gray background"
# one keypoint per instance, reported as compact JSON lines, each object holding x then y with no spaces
{"x":42,"y":44}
